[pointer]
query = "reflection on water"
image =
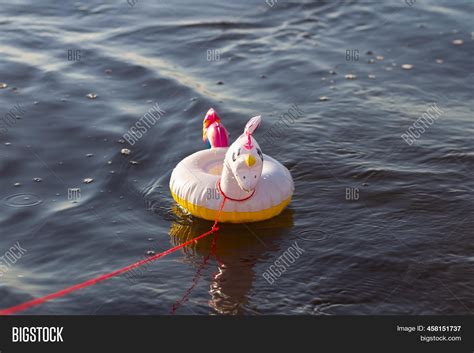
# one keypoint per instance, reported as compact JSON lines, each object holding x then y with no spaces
{"x":238,"y":248}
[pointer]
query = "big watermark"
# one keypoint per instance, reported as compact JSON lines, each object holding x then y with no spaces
{"x":422,"y":124}
{"x":283,"y":263}
{"x":278,"y":129}
{"x":143,"y":124}
{"x":10,"y":257}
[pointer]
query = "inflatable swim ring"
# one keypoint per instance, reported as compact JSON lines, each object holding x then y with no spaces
{"x":257,"y":187}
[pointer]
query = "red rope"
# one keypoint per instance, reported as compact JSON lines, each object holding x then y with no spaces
{"x":196,"y":277}
{"x":103,"y":277}
{"x":230,"y":198}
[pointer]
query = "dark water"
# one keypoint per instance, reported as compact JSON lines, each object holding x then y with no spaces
{"x":386,"y":227}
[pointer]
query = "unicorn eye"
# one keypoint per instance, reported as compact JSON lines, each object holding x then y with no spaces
{"x":233,"y":155}
{"x":260,"y":153}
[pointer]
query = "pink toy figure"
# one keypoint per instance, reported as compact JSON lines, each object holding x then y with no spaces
{"x":214,"y":133}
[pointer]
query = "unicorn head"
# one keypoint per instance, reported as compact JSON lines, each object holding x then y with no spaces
{"x":243,"y":163}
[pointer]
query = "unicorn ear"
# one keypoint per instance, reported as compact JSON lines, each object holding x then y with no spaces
{"x":252,"y":125}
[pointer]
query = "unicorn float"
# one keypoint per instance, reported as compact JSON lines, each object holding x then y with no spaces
{"x":255,"y":186}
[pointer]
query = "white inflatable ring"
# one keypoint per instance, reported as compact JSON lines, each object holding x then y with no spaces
{"x":256,"y":186}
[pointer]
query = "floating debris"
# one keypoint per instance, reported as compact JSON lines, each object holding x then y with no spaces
{"x":38,"y":180}
{"x":439,"y":61}
{"x":112,"y":172}
{"x":108,"y":71}
{"x":17,"y":184}
{"x":332,"y":72}
{"x":88,"y":180}
{"x":91,"y":95}
{"x":193,"y":99}
{"x":407,"y":66}
{"x":350,"y":77}
{"x":458,"y":42}
{"x":323,"y":98}
{"x":35,"y":102}
{"x":370,"y":52}
{"x":150,"y":253}
{"x":379,"y":57}
{"x":109,"y":162}
{"x":8,"y":144}
{"x":372,"y":77}
{"x":133,"y":162}
{"x":263,"y":76}
{"x":121,"y":141}
{"x":219,"y":82}
{"x":371,"y":61}
{"x":125,"y":151}
{"x":89,"y":155}
{"x":3,"y":85}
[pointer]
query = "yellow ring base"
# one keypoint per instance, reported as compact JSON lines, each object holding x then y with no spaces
{"x":231,"y":217}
